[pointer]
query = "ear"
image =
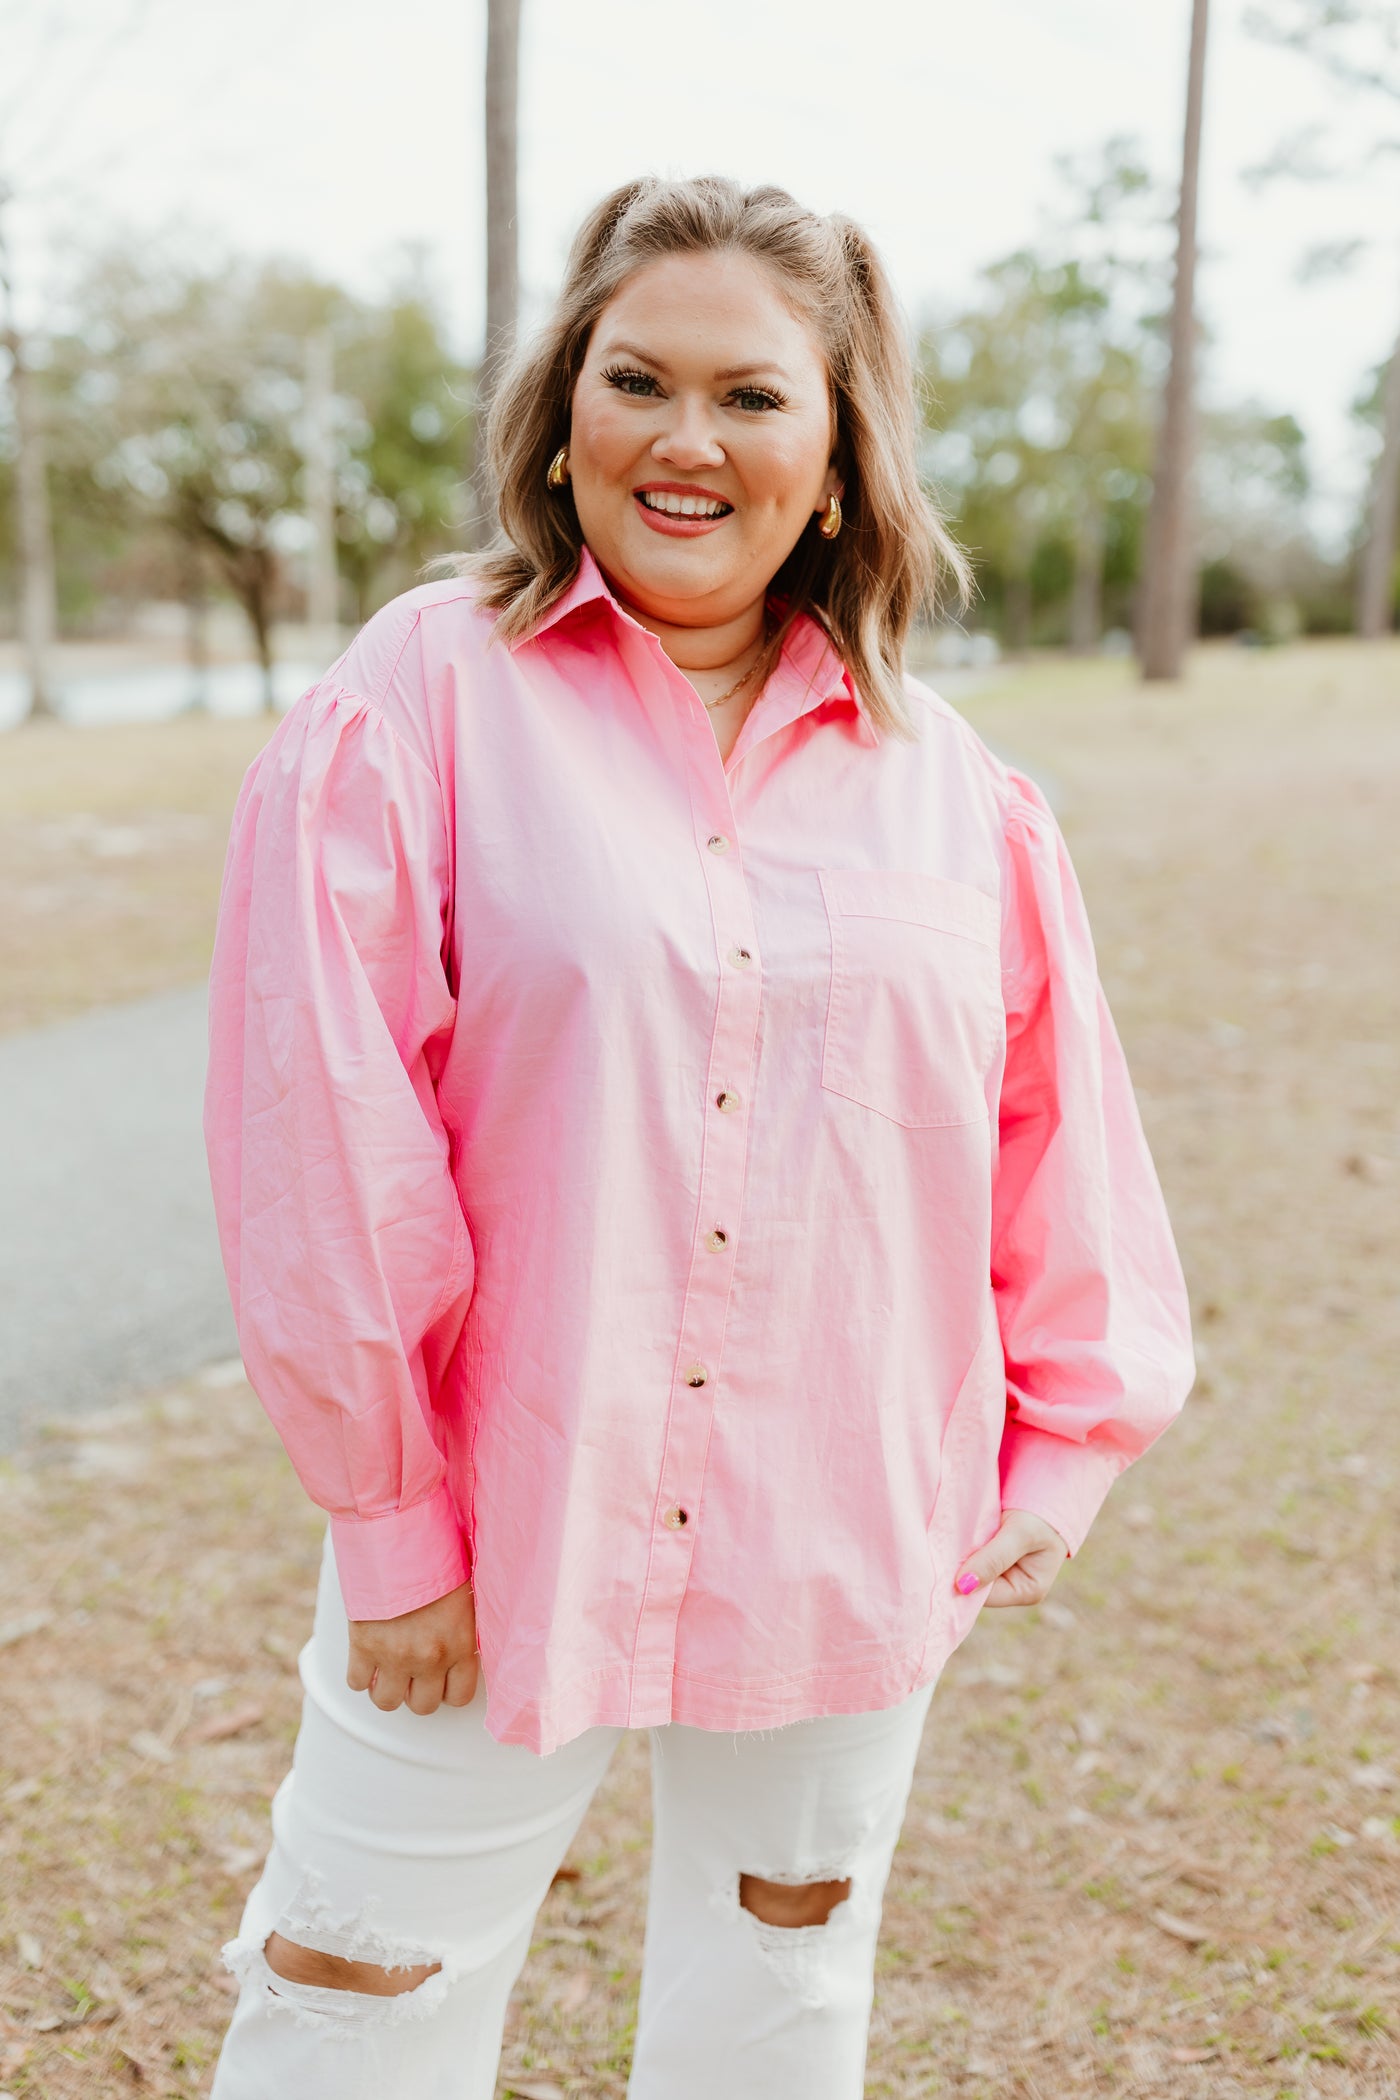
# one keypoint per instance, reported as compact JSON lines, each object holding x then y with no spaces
{"x":834,"y":485}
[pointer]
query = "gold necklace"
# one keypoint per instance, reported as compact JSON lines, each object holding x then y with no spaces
{"x":745,"y":676}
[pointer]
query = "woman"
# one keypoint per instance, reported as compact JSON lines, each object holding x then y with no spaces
{"x":681,"y":1191}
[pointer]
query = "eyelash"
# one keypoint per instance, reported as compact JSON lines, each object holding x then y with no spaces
{"x":618,"y":375}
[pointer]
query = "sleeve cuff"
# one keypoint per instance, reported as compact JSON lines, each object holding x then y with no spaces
{"x":391,"y":1564}
{"x":1057,"y":1479}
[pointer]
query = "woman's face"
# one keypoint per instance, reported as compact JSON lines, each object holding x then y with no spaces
{"x":700,"y":387}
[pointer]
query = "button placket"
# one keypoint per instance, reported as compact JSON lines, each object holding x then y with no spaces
{"x":698,"y":1376}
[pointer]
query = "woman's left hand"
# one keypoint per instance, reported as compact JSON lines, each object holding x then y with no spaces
{"x":1018,"y":1565}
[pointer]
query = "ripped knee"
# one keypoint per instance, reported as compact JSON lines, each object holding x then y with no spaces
{"x":791,"y":1905}
{"x":336,"y":1972}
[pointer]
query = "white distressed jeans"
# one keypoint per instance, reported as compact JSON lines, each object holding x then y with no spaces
{"x":404,"y":1839}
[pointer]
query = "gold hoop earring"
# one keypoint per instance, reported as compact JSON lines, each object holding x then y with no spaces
{"x":831,"y":518}
{"x":558,"y":469}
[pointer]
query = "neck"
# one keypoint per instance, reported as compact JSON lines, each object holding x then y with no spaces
{"x":709,"y":648}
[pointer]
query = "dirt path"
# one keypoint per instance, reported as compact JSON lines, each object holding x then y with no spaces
{"x":1154,"y":1847}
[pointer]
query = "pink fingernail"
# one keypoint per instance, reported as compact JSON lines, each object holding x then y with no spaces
{"x":966,"y":1584}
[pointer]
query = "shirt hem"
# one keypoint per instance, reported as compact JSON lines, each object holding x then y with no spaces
{"x":610,"y":1698}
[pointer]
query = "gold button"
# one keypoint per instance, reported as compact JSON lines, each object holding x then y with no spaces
{"x":717,"y":1240}
{"x":717,"y":842}
{"x":740,"y":957}
{"x":726,"y":1102}
{"x":677,"y":1518}
{"x":696,"y":1375}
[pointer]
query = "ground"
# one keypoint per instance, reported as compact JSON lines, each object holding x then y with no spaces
{"x":1154,"y":1844}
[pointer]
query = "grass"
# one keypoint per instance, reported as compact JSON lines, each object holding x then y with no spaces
{"x":1154,"y":1843}
{"x":111,"y":847}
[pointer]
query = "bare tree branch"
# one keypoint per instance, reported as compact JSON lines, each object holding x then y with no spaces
{"x":1329,"y":259}
{"x":1296,"y":158}
{"x":1313,"y":28}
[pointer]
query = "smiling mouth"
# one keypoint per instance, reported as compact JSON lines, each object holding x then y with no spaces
{"x":674,"y":506}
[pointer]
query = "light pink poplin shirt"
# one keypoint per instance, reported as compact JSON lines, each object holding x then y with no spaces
{"x":692,"y":1197}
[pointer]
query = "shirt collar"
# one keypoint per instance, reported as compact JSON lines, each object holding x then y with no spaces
{"x":809,"y":672}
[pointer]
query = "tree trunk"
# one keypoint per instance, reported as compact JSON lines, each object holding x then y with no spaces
{"x":1086,"y":592}
{"x":1018,"y":612}
{"x":252,"y":575}
{"x":33,"y":534}
{"x":1167,"y":578}
{"x":323,"y":581}
{"x":502,"y":233}
{"x":1375,"y":596}
{"x":196,"y":627}
{"x":257,"y":604}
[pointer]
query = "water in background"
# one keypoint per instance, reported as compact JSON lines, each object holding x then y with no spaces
{"x":156,"y":692}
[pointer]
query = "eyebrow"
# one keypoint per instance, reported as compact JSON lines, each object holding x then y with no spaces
{"x":649,"y":357}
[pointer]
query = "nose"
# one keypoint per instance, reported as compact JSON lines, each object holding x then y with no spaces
{"x":690,"y":438}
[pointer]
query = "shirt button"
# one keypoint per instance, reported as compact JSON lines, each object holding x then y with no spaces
{"x":717,"y":1240}
{"x":676,"y":1517}
{"x":726,"y":1102}
{"x":717,"y":842}
{"x":696,"y":1375}
{"x":740,"y":957}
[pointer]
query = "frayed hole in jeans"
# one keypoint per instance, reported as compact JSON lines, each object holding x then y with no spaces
{"x":293,"y":1963}
{"x":791,"y":1904}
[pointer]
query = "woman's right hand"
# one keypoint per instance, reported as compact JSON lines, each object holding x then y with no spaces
{"x":423,"y":1659}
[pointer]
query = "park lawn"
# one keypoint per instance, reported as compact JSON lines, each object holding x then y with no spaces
{"x":1154,"y":1843}
{"x":111,"y":848}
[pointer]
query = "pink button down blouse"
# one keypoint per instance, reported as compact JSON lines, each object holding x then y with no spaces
{"x":693,"y":1198}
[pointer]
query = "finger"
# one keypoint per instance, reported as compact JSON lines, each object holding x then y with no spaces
{"x":1018,"y":1585}
{"x":388,"y":1688}
{"x":1001,"y":1552}
{"x":424,"y":1694}
{"x":1029,"y":1580}
{"x":359,"y":1671}
{"x":460,"y":1689}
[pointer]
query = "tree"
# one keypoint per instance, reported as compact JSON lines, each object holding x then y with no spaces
{"x":501,"y":106}
{"x":1165,"y":619}
{"x":402,"y":401}
{"x":220,"y":428}
{"x":1355,"y":42}
{"x":1252,"y":486}
{"x":55,"y":61}
{"x":38,"y":613}
{"x":1039,"y":390}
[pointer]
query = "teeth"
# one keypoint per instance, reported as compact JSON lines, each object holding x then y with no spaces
{"x":683,"y":506}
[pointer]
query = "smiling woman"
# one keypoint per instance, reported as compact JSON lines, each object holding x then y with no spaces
{"x":720,"y":346}
{"x":682,"y":1194}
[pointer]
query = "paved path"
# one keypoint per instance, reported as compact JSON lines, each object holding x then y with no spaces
{"x":110,"y":1278}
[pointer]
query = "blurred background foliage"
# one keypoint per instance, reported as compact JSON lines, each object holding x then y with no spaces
{"x":176,"y":395}
{"x":177,"y":407}
{"x":1041,"y":412}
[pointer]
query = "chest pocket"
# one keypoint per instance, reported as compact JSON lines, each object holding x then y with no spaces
{"x":915,"y":1013}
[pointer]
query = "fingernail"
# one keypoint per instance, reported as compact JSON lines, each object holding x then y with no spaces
{"x":966,"y":1584}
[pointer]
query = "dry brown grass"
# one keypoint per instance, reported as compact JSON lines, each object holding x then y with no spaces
{"x":1154,"y":1844}
{"x":111,"y":847}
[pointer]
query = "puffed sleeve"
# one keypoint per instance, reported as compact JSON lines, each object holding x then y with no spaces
{"x":347,"y":1254}
{"x":1090,"y":1297}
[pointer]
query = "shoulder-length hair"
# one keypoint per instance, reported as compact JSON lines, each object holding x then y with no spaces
{"x":893,"y":553}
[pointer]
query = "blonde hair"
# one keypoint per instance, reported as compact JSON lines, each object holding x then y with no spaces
{"x":867,"y":586}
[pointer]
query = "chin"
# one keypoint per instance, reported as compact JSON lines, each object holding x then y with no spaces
{"x":676,"y":574}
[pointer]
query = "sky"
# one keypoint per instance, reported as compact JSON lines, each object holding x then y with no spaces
{"x":336,"y":131}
